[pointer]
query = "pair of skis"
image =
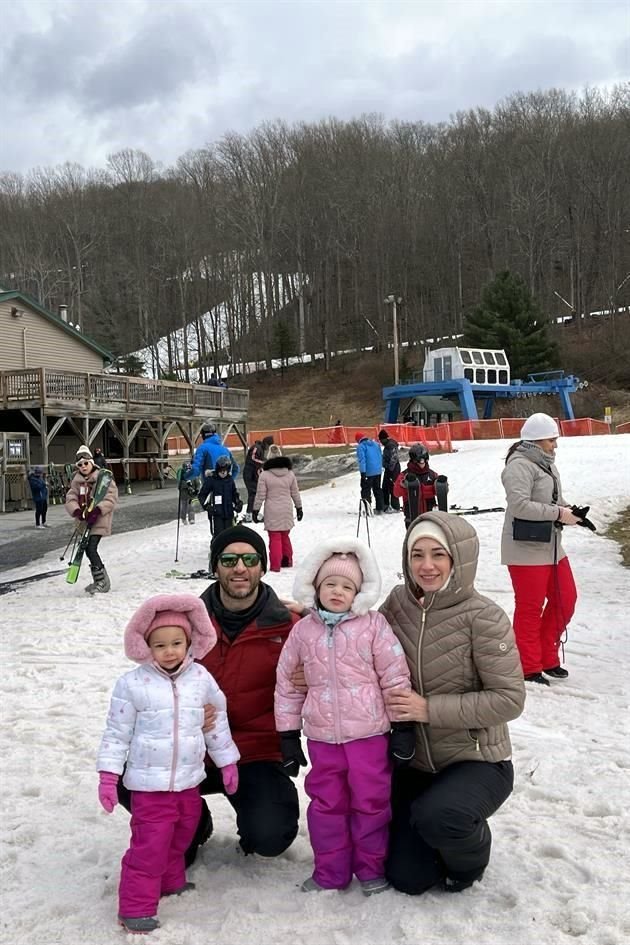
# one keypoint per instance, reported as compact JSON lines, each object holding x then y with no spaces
{"x":200,"y":575}
{"x":474,"y":510}
{"x":81,"y":539}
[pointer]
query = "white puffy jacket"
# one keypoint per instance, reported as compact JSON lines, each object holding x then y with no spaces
{"x":154,"y":725}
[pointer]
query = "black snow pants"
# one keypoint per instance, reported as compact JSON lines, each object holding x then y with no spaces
{"x":439,"y":824}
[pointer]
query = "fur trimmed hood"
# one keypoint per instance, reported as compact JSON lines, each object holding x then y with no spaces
{"x":202,"y":634}
{"x":278,"y":462}
{"x":304,"y":590}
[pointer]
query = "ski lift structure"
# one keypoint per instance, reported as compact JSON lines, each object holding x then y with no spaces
{"x":472,"y":374}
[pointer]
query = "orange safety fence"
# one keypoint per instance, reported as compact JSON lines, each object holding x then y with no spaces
{"x":585,"y":426}
{"x":439,"y":437}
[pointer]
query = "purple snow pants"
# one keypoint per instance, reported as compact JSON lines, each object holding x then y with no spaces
{"x":163,"y":824}
{"x":348,"y":818}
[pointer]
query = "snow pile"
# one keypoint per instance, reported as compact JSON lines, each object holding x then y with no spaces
{"x":560,"y":867}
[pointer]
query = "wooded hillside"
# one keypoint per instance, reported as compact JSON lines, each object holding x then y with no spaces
{"x":299,"y":233}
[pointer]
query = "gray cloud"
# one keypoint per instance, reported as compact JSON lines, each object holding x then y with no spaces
{"x":85,"y":79}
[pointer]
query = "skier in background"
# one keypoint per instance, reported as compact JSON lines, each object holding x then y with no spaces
{"x":98,"y":519}
{"x":391,"y":471}
{"x":39,"y":491}
{"x":99,"y":459}
{"x":417,"y":472}
{"x":205,"y":459}
{"x":278,"y":490}
{"x":188,"y":491}
{"x":254,"y":459}
{"x":219,"y":497}
{"x":370,"y":467}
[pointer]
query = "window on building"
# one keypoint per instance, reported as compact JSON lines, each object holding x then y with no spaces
{"x":503,"y":377}
{"x":437,"y":369}
{"x":492,"y":376}
{"x":448,"y":367}
{"x":469,"y":374}
{"x":489,"y":357}
{"x":500,"y":358}
{"x":465,"y":356}
{"x":480,"y":376}
{"x":477,"y":357}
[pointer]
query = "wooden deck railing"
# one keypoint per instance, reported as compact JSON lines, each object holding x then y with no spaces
{"x":47,"y":387}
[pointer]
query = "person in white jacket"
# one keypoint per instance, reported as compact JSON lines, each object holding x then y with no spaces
{"x":154,"y":738}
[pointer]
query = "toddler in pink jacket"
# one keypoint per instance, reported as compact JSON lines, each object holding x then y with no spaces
{"x":350,"y":657}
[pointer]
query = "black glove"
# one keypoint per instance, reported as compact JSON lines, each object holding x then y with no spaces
{"x":364,"y":479}
{"x":255,"y":516}
{"x":581,"y":512}
{"x":238,"y":506}
{"x":300,"y":514}
{"x":402,"y":743}
{"x":292,"y":755}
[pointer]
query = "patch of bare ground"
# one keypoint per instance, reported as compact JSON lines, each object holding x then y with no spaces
{"x":619,"y":531}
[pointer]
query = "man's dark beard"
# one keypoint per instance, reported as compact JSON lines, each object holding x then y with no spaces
{"x":241,"y":595}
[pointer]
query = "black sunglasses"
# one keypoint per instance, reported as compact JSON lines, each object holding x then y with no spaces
{"x":249,"y":558}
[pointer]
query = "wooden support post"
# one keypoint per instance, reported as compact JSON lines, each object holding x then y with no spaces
{"x":125,"y":462}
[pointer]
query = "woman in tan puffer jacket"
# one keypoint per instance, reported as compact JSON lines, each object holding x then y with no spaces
{"x":278,"y":490}
{"x":467,"y":684}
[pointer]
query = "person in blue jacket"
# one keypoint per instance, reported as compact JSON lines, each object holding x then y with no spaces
{"x":220,"y":498}
{"x":205,"y":459}
{"x":370,"y":464}
{"x":39,"y":491}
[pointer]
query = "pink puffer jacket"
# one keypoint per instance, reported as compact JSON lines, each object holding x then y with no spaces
{"x":347,"y":667}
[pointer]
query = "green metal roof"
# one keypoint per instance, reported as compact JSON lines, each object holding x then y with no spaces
{"x":59,"y":322}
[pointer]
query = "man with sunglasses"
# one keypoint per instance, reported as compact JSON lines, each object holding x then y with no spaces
{"x":252,"y":625}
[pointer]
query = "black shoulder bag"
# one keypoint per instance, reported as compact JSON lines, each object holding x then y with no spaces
{"x":524,"y":529}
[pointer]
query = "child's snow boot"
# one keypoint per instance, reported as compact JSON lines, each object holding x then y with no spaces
{"x":140,"y":925}
{"x":177,"y":892}
{"x":369,"y":887}
{"x":101,"y":582}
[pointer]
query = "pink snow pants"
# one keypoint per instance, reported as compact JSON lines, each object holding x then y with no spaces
{"x":279,"y":547}
{"x":538,"y":626}
{"x":163,"y":824}
{"x":348,"y":818}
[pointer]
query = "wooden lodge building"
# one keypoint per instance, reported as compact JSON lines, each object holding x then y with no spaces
{"x":55,"y":395}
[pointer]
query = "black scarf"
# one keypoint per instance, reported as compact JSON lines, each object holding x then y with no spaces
{"x":232,"y":622}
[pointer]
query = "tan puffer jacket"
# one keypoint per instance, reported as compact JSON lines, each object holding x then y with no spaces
{"x":462,"y":657}
{"x":79,"y":494}
{"x":529,"y":493}
{"x":278,"y":489}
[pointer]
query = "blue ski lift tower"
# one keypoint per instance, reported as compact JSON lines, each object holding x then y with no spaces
{"x":468,"y":375}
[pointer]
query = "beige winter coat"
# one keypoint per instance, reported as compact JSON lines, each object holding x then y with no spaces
{"x":529,"y":490}
{"x":278,"y":489}
{"x":78,"y":496}
{"x":462,"y":657}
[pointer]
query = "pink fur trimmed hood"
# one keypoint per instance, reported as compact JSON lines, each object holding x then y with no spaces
{"x":202,"y":634}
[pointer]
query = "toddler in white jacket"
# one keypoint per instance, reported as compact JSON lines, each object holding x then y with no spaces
{"x":154,"y":735}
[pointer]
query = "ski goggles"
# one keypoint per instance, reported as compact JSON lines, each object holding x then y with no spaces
{"x":249,"y":558}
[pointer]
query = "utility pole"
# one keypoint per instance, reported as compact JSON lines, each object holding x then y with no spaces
{"x":394,"y":302}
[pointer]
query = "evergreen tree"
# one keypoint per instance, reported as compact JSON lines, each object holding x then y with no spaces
{"x":508,"y":317}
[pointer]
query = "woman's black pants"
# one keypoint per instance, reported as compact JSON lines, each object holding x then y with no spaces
{"x":439,"y":825}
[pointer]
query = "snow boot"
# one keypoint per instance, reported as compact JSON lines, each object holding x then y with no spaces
{"x":556,"y":672}
{"x":537,"y":678}
{"x":369,"y":887}
{"x":140,"y":925}
{"x":311,"y":885}
{"x":101,"y":583}
{"x":92,"y":587}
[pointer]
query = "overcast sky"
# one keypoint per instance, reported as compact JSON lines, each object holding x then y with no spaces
{"x":80,"y":79}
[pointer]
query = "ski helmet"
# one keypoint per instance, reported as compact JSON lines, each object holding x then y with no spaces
{"x":208,"y":429}
{"x":418,"y":452}
{"x":223,"y":462}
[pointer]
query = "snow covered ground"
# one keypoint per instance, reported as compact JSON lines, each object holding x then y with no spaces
{"x":560,"y":869}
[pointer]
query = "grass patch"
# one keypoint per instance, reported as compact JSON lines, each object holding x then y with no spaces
{"x":619,"y":531}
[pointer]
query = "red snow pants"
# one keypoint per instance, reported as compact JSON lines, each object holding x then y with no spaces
{"x":348,"y":818}
{"x":163,"y":824}
{"x":279,"y":547}
{"x":544,"y":602}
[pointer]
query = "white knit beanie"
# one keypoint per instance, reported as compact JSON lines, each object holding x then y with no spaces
{"x":540,"y":426}
{"x":84,"y":451}
{"x":427,"y":529}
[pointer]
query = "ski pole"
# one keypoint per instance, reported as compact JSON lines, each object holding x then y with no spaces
{"x":179,"y":499}
{"x":73,"y":538}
